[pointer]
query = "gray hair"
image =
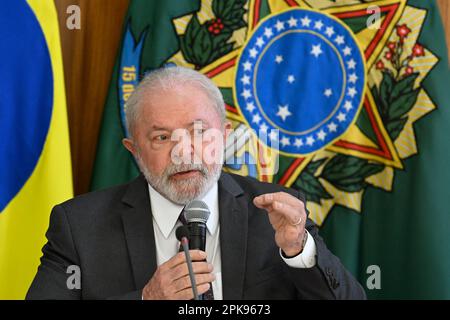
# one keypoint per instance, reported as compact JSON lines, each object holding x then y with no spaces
{"x":168,"y":78}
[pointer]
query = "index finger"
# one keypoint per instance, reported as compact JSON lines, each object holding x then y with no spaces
{"x":179,"y":258}
{"x":282,"y":197}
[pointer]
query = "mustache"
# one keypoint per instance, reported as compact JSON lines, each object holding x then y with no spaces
{"x":177,"y":168}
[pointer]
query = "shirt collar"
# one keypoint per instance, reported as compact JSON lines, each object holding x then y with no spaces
{"x":166,"y":213}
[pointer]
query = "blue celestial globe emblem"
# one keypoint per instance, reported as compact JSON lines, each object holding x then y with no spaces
{"x":300,"y":80}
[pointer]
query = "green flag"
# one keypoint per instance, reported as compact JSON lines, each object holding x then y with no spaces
{"x":352,"y":99}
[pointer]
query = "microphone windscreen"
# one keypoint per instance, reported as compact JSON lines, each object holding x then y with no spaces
{"x":182,"y":231}
{"x":196,"y":211}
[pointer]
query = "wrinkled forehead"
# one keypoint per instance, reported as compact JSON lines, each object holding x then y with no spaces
{"x":178,"y":107}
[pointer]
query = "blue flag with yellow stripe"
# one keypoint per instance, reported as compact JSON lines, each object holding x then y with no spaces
{"x":35,"y":167}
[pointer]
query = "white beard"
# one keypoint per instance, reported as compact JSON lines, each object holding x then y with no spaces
{"x":183,"y":191}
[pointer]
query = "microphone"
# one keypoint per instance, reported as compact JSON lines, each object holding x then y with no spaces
{"x":196,"y":214}
{"x":182,"y":234}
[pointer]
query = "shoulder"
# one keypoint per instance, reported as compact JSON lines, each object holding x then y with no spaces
{"x":105,"y":202}
{"x":95,"y":198}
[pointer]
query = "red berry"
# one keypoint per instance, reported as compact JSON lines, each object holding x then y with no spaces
{"x":388,"y":55}
{"x":418,"y":50}
{"x":380,"y":65}
{"x":391,"y":45}
{"x":403,"y":31}
{"x":409,"y":70}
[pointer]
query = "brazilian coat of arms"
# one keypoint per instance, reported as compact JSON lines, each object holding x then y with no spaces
{"x":334,"y":87}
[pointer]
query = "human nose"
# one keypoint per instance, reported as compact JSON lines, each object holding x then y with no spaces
{"x":185,"y":150}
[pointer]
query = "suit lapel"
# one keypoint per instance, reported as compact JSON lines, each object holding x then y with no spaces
{"x":138,"y":227}
{"x":233,"y":217}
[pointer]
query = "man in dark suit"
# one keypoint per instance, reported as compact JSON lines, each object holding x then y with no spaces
{"x":260,"y":242}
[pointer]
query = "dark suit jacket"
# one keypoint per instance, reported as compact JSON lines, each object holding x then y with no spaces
{"x":109,"y":235}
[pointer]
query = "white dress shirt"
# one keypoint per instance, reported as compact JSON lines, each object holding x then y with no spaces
{"x":165,"y":222}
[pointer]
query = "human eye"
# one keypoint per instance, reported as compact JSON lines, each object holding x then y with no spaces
{"x":161,"y":138}
{"x":199,"y":131}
